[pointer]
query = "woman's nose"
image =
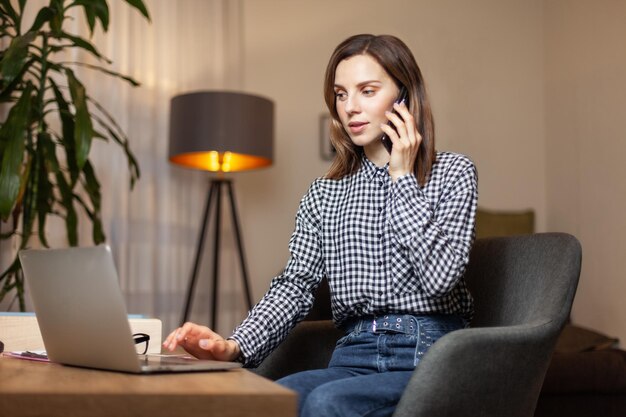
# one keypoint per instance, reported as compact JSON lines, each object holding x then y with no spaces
{"x":352,"y":105}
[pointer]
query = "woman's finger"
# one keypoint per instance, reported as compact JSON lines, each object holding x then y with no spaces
{"x":408,"y":121}
{"x":391,"y":133}
{"x":398,"y":123}
{"x":170,"y":342}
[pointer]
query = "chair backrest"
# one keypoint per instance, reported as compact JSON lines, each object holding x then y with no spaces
{"x":523,"y":279}
{"x":523,"y":288}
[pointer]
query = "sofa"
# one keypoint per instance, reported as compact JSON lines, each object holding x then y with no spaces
{"x":586,"y":377}
{"x":587,"y":373}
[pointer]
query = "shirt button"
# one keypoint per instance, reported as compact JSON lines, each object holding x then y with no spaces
{"x":380,"y":293}
{"x":380,"y":209}
{"x":380,"y":235}
{"x":380,"y":263}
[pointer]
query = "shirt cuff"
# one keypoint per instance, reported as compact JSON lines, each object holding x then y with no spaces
{"x":244,"y":354}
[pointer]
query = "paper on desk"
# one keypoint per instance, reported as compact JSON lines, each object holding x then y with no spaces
{"x":30,"y":355}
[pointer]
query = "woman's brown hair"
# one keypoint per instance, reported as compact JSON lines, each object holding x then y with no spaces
{"x":398,"y":61}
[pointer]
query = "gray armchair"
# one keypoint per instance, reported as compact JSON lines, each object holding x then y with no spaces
{"x":523,"y":288}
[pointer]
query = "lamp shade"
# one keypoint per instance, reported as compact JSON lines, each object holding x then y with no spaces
{"x":221,"y":131}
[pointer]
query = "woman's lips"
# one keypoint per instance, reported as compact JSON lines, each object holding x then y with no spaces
{"x":357,"y":127}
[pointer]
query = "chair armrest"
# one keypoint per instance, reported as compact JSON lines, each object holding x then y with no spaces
{"x":309,"y":346}
{"x":487,"y":372}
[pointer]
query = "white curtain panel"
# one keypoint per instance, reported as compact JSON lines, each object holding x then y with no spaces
{"x":190,"y":45}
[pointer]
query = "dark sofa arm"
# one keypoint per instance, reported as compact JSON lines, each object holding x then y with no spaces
{"x":309,"y":346}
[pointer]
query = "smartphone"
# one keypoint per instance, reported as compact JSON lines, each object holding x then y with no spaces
{"x":385,"y":139}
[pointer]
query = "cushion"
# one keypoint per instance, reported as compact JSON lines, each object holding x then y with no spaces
{"x":597,"y":371}
{"x":586,"y":361}
{"x":579,"y":339}
{"x":504,"y":223}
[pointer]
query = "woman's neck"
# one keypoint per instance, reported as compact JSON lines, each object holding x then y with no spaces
{"x":377,"y":154}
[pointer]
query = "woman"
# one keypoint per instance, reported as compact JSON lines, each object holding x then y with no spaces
{"x":391,"y":231}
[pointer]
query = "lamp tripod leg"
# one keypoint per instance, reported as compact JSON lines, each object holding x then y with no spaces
{"x":244,"y":269}
{"x":216,"y":253}
{"x":196,"y":266}
{"x":216,"y":189}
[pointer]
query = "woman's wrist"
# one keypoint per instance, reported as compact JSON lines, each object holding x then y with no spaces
{"x":235,"y":349}
{"x":396,"y":175}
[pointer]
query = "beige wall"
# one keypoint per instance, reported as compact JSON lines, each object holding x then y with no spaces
{"x":586,"y":148}
{"x":532,"y":91}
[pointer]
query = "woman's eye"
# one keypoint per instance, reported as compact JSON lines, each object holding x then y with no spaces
{"x":340,"y":95}
{"x":368,"y":92}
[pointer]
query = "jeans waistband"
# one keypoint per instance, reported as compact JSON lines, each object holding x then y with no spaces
{"x":402,"y":323}
{"x":395,"y":323}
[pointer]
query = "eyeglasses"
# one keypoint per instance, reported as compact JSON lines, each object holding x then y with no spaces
{"x":141,"y":342}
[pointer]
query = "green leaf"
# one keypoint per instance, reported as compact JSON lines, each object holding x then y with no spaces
{"x":15,"y":265}
{"x":24,"y":181}
{"x":95,"y":9}
{"x":8,"y":9}
{"x":12,"y":142}
{"x":67,"y":129}
{"x":5,"y":94}
{"x":79,"y":42}
{"x":118,"y":136}
{"x":56,"y":23}
{"x":29,"y":203}
{"x":92,"y":186}
{"x":132,"y":81}
{"x":14,"y":59}
{"x":46,"y":14}
{"x":51,"y":163}
{"x":139,"y":5}
{"x":45,"y":197}
{"x":133,"y":166}
{"x":99,"y":135}
{"x":67,"y":201}
{"x":83,"y":129}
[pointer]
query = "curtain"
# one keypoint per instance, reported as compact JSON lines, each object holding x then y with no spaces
{"x":153,"y":230}
{"x":190,"y":45}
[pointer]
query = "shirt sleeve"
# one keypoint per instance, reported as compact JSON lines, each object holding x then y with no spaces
{"x":290,"y":296}
{"x":438,"y":237}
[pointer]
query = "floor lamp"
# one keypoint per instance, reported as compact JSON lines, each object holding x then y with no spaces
{"x":220,"y":132}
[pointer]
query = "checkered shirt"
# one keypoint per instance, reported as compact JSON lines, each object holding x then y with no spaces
{"x":385,"y":247}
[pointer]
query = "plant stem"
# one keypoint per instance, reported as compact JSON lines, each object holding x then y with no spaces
{"x":42,"y":82}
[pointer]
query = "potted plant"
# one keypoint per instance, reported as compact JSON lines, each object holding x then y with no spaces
{"x":45,"y":171}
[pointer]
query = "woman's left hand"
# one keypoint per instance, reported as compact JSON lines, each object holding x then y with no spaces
{"x":406,"y":141}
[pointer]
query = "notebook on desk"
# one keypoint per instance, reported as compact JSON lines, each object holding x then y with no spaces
{"x":82,"y":315}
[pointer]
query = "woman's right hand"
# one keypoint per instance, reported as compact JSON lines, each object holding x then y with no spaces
{"x":203,"y":343}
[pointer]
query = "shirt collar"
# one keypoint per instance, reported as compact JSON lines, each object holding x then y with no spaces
{"x":370,"y":170}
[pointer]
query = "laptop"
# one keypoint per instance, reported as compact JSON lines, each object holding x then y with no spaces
{"x":82,"y":316}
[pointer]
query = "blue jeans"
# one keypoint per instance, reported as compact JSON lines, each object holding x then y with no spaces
{"x":370,"y":367}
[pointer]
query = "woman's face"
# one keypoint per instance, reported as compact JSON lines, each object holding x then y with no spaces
{"x":363,"y":92}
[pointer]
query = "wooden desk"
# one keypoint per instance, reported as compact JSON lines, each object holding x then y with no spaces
{"x":44,"y":389}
